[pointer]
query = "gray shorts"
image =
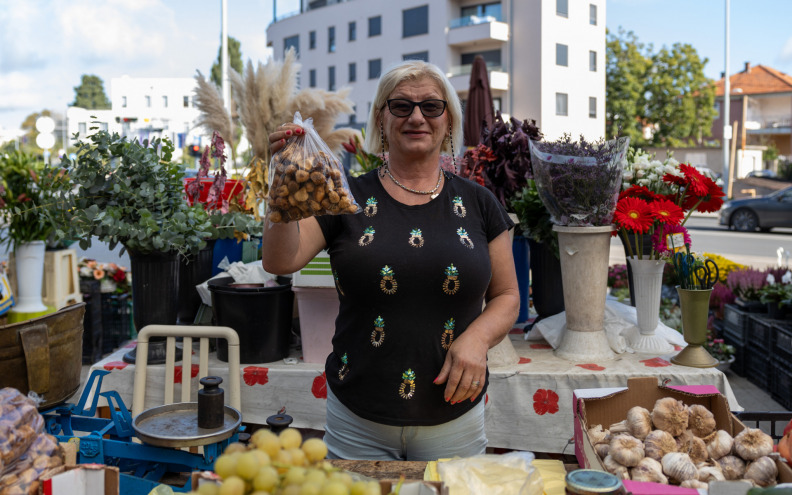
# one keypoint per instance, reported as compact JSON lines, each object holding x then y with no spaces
{"x":349,"y":436}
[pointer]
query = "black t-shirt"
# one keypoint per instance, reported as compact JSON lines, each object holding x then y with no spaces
{"x":410,"y":279}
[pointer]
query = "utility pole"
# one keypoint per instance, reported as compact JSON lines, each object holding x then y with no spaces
{"x":727,"y":130}
{"x":224,"y":56}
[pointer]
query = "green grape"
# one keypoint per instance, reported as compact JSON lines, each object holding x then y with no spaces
{"x":373,"y":488}
{"x":235,"y":447}
{"x":315,"y":476}
{"x":267,"y":441}
{"x":315,"y":449}
{"x":266,"y":479}
{"x":262,"y":457}
{"x":290,"y":490}
{"x":247,"y":466}
{"x":334,"y":488}
{"x":298,"y":457}
{"x":344,"y":478}
{"x":234,"y":485}
{"x":294,"y":476}
{"x":225,"y":465}
{"x":208,"y":488}
{"x":358,"y":488}
{"x":284,"y":457}
{"x":309,"y":488}
{"x":290,"y":438}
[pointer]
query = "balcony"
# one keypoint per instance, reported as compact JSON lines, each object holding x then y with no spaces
{"x":473,"y":29}
{"x":778,"y":125}
{"x":460,"y":78}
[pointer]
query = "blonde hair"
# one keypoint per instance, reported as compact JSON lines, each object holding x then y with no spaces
{"x":413,"y":70}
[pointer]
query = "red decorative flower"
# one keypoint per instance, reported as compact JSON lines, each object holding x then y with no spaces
{"x":591,"y":366}
{"x":545,"y":402}
{"x":177,"y":373}
{"x":255,"y":375}
{"x":115,"y":365}
{"x":319,"y":387}
{"x":640,"y":192}
{"x":524,"y":360}
{"x":709,"y":202}
{"x":666,"y":212}
{"x":655,"y":363}
{"x":633,"y":214}
{"x":695,"y":180}
{"x":541,"y":346}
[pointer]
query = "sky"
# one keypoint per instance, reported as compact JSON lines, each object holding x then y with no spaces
{"x":47,"y":45}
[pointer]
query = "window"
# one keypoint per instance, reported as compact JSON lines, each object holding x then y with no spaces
{"x":148,"y":101}
{"x":331,"y":39}
{"x":375,"y":67}
{"x":312,"y":40}
{"x":415,"y":21}
{"x":561,"y":103}
{"x":496,"y":104}
{"x":717,"y":109}
{"x":312,"y":78}
{"x":592,"y":107}
{"x":562,"y":8}
{"x":483,"y":10}
{"x":353,"y":115}
{"x":352,"y":31}
{"x":123,"y":102}
{"x":164,"y":102}
{"x":331,"y":78}
{"x":491,"y":57}
{"x":592,"y":61}
{"x":186,"y":101}
{"x":375,"y":26}
{"x":292,"y":42}
{"x":592,"y":14}
{"x":562,"y":55}
{"x":81,"y":128}
{"x":416,"y":56}
{"x":352,"y":72}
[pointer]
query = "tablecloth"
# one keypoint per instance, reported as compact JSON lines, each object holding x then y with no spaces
{"x":528,"y":404}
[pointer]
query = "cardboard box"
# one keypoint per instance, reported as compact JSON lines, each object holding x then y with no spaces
{"x":611,"y":406}
{"x":82,"y":479}
{"x":317,"y":273}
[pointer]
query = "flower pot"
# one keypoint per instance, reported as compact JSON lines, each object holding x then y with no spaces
{"x":775,"y":311}
{"x":232,"y":187}
{"x":584,"y":255}
{"x":723,"y":366}
{"x":30,"y":277}
{"x":629,"y":245}
{"x":648,"y":278}
{"x":695,"y":311}
{"x":193,"y":271}
{"x":547,"y":288}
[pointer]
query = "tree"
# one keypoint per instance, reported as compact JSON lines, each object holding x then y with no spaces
{"x":90,"y":94}
{"x":627,"y":62}
{"x":234,"y":61}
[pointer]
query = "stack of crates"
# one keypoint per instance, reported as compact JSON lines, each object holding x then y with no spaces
{"x":758,"y":351}
{"x":116,"y":320}
{"x":735,"y":323}
{"x":781,"y":384}
{"x":92,"y":322}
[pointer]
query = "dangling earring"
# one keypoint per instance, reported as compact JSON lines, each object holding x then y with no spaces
{"x":451,"y":141}
{"x":384,"y":166}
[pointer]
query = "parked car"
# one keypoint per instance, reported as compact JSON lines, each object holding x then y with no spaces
{"x":763,"y":174}
{"x":763,"y":213}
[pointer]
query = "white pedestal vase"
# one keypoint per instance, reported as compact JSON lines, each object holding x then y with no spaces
{"x":647,"y":281}
{"x":30,"y":276}
{"x":584,"y":272}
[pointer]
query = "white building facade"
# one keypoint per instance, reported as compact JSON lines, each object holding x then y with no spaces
{"x":546,"y":58}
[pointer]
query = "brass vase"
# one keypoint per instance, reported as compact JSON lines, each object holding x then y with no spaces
{"x":695,"y":311}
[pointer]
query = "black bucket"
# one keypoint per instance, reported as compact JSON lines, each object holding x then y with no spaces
{"x":261,"y":316}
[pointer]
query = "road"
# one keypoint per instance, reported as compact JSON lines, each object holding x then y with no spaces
{"x":755,"y":249}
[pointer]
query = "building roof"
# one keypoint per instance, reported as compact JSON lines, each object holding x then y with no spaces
{"x":756,"y":80}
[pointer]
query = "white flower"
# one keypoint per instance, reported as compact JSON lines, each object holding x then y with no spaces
{"x":770,"y":278}
{"x":787,"y":278}
{"x":627,"y":176}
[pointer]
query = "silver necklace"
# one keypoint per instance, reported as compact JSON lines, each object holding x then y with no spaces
{"x":433,"y":192}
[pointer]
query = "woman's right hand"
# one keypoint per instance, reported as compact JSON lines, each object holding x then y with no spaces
{"x":278,"y":138}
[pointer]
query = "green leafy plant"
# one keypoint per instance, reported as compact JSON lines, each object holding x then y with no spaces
{"x":130,"y":193}
{"x":533,"y":215}
{"x":775,"y":293}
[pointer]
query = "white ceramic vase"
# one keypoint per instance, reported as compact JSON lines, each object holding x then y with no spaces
{"x":30,"y":275}
{"x":647,"y":281}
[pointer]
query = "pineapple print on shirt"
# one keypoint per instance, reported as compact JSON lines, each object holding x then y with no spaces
{"x":459,"y":208}
{"x":367,"y":237}
{"x":388,"y":282}
{"x":451,"y":282}
{"x":378,"y":334}
{"x":407,"y":387}
{"x":371,"y":207}
{"x":342,"y":372}
{"x":464,"y":239}
{"x":416,"y":238}
{"x":448,"y":334}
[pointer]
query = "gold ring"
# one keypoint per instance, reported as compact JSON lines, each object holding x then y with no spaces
{"x":475,"y":384}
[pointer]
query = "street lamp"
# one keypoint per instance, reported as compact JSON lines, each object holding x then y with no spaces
{"x":727,"y":130}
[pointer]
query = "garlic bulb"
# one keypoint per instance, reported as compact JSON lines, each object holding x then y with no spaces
{"x":626,"y":450}
{"x":670,"y":415}
{"x":659,"y":443}
{"x":596,"y":434}
{"x":762,"y":471}
{"x":620,"y":427}
{"x":648,"y":470}
{"x":710,"y":473}
{"x":753,"y":443}
{"x":700,"y":420}
{"x":614,"y":467}
{"x":719,"y":444}
{"x":639,"y":422}
{"x":692,"y":446}
{"x":732,"y":466}
{"x":694,"y":484}
{"x":602,"y":449}
{"x":679,"y":467}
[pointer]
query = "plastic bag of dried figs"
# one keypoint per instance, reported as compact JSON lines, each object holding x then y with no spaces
{"x":306,"y":179}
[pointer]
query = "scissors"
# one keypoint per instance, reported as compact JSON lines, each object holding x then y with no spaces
{"x":706,"y":275}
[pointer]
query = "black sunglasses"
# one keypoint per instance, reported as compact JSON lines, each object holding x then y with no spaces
{"x":404,"y":108}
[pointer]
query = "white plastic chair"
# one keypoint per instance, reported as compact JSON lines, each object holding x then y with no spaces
{"x":187,"y":332}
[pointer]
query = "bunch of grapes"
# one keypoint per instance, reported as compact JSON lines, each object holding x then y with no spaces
{"x":282,"y":465}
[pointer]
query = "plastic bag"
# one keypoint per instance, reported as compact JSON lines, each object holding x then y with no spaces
{"x":20,"y":424}
{"x":507,"y":474}
{"x":306,"y":179}
{"x":44,"y":454}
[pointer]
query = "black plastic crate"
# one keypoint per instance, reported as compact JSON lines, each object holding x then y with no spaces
{"x":92,"y":328}
{"x":781,"y":384}
{"x":735,"y":323}
{"x":757,"y":368}
{"x":759,"y":334}
{"x":782,"y":341}
{"x":116,"y":320}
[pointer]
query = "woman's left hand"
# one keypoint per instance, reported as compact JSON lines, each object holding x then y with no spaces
{"x":465,"y":368}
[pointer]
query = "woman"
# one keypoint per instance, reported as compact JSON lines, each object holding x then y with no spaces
{"x":408,"y":371}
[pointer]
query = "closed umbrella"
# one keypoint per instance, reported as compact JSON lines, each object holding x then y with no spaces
{"x":479,"y":104}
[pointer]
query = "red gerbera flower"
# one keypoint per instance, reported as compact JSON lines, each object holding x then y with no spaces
{"x":641,"y":192}
{"x":710,"y":202}
{"x":695,"y":180}
{"x":633,"y":214}
{"x":665,"y":211}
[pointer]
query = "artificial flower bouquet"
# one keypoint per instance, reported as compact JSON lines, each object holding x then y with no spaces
{"x":579,"y":181}
{"x":113,"y":278}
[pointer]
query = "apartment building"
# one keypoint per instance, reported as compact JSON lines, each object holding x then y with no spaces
{"x":546,"y":58}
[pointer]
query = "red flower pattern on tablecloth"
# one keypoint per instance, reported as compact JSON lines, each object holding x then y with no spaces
{"x":177,"y":373}
{"x":677,"y":347}
{"x":541,"y":346}
{"x":115,"y":365}
{"x":655,"y":362}
{"x":255,"y":375}
{"x":516,"y":330}
{"x":524,"y":360}
{"x":131,"y":345}
{"x":591,"y":366}
{"x":319,"y":387}
{"x":545,"y":402}
{"x":486,"y":399}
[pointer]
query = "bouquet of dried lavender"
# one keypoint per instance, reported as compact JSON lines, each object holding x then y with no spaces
{"x":579,"y":181}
